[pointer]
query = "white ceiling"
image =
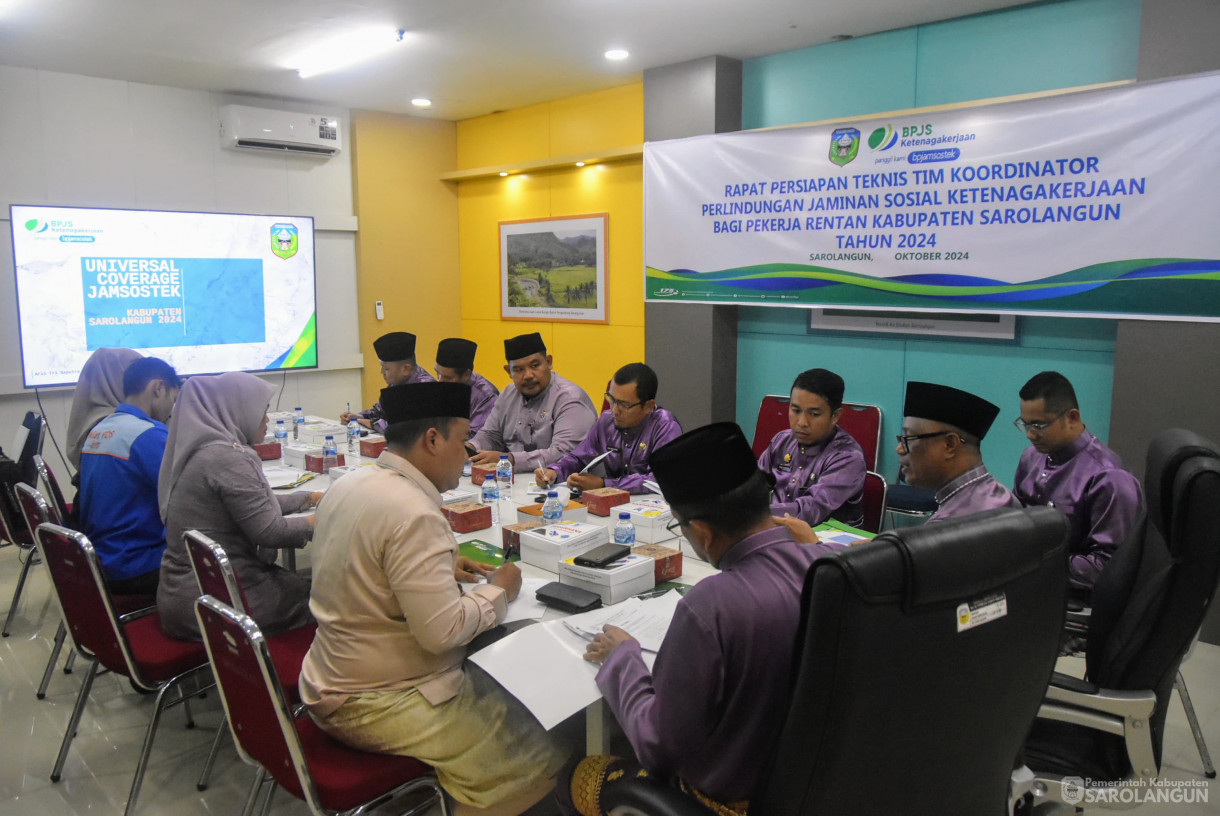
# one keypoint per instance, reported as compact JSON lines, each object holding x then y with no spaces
{"x":470,"y":57}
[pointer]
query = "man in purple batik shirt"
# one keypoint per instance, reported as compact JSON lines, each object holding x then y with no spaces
{"x":396,"y":351}
{"x":705,"y":717}
{"x":817,"y":466}
{"x":938,"y":449}
{"x":632,"y":429}
{"x":455,"y":363}
{"x":1068,"y":468}
{"x":537,"y":418}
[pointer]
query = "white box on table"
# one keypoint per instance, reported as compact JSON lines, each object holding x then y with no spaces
{"x":457,"y":494}
{"x":544,"y":547}
{"x":315,"y":433}
{"x":615,"y":582}
{"x":295,"y":452}
{"x":650,"y":516}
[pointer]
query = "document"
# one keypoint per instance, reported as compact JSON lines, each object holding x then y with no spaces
{"x":279,"y":476}
{"x":596,"y":460}
{"x":646,"y":621}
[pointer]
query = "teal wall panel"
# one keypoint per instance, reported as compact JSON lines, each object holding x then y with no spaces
{"x":1030,"y":48}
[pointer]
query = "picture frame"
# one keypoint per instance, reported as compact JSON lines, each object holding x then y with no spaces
{"x":554,"y":269}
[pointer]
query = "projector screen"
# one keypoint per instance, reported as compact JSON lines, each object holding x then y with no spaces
{"x":206,"y":292}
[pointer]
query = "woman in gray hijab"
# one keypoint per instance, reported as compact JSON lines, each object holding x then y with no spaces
{"x":99,"y":390}
{"x":212,"y":481}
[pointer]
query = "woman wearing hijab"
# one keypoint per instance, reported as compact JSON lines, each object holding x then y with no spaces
{"x":212,"y":481}
{"x":99,"y":390}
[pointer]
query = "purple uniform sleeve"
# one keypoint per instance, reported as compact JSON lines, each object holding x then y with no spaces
{"x":1115,"y":501}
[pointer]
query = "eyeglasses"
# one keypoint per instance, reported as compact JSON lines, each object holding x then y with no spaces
{"x":904,"y":441}
{"x":674,"y":528}
{"x":1037,"y":427}
{"x":622,"y":405}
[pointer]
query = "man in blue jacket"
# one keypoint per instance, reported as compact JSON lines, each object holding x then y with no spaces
{"x":119,"y":465}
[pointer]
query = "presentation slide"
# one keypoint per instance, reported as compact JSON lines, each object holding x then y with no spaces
{"x":207,"y":292}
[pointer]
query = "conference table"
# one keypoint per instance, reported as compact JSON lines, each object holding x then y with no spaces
{"x":597,"y":715}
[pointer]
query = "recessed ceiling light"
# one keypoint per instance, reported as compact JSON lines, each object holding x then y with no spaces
{"x":421,"y":102}
{"x":504,"y":172}
{"x":345,"y":49}
{"x":616,"y":54}
{"x":580,"y":164}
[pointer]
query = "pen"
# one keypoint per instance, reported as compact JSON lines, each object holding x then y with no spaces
{"x":349,"y":407}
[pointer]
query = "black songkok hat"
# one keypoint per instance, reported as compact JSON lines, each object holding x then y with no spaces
{"x":395,"y":347}
{"x":704,"y":463}
{"x":523,"y":345}
{"x":425,"y":400}
{"x":455,"y":352}
{"x":952,"y":406}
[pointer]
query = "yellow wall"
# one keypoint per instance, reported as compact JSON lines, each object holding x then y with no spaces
{"x":407,"y":244}
{"x":585,"y":353}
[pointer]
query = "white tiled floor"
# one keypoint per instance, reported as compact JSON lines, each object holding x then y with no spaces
{"x":98,"y":773}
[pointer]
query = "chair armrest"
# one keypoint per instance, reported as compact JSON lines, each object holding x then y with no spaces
{"x":1070,"y":691}
{"x":648,"y":797}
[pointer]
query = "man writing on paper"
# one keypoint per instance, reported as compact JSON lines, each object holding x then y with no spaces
{"x":455,"y":363}
{"x":119,"y":466}
{"x":626,"y":434}
{"x":386,"y":670}
{"x":704,"y":719}
{"x":396,"y":351}
{"x":938,"y":449}
{"x":537,"y":418}
{"x":1068,"y":468}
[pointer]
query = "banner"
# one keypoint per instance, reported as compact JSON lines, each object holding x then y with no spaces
{"x":1102,"y":203}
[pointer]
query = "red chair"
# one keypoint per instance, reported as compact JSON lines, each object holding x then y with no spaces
{"x":34,"y":511}
{"x":874,"y":502}
{"x":131,"y":645}
{"x":772,"y":418}
{"x":50,"y":489}
{"x":863,"y":422}
{"x":294,"y":753}
{"x":216,"y":578}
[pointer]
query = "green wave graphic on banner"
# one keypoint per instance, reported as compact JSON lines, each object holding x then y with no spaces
{"x":1096,"y":288}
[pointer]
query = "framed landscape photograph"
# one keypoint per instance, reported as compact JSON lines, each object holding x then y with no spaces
{"x":554,"y":269}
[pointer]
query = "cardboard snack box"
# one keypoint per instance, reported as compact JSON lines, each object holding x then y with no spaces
{"x":467,"y":516}
{"x":313,"y":461}
{"x":268,"y":450}
{"x":615,"y":582}
{"x":669,"y":560}
{"x":372,"y":445}
{"x":600,"y":500}
{"x":574,"y":511}
{"x":511,"y":534}
{"x":478,"y":474}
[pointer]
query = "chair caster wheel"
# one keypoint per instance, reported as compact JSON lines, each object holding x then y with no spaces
{"x":1211,"y":775}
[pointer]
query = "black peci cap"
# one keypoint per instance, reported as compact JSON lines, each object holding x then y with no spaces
{"x":952,"y":406}
{"x":523,"y":345}
{"x":456,"y":352}
{"x":425,"y":400}
{"x":704,"y":463}
{"x":395,"y":347}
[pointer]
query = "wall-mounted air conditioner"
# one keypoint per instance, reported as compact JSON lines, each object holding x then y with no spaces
{"x":245,"y":128}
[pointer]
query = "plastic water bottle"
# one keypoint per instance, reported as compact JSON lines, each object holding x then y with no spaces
{"x":281,"y":434}
{"x":353,"y":437}
{"x":491,"y":497}
{"x":330,"y":454}
{"x":624,"y":530}
{"x":504,"y":475}
{"x":552,"y":510}
{"x":298,"y":419}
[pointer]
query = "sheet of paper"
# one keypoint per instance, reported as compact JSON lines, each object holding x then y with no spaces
{"x":839,"y":537}
{"x":527,"y":606}
{"x":646,"y":621}
{"x":281,"y":476}
{"x":543,"y":666}
{"x":596,"y":460}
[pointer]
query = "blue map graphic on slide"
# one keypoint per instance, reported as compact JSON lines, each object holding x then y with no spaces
{"x":151,"y":302}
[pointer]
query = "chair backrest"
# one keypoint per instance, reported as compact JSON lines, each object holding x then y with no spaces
{"x":12,"y":519}
{"x":1150,"y":600}
{"x":874,"y":501}
{"x":50,"y":490}
{"x":863,"y":422}
{"x":258,"y":714}
{"x":34,"y":507}
{"x":76,"y":574}
{"x":35,"y":426}
{"x":213,"y":570}
{"x":772,"y":418}
{"x":908,"y":643}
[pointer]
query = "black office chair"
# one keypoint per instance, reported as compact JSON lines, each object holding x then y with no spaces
{"x":1148,"y":605}
{"x":924,"y":655}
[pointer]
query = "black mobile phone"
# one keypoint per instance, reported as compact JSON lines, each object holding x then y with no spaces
{"x":602,"y":556}
{"x":470,"y":449}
